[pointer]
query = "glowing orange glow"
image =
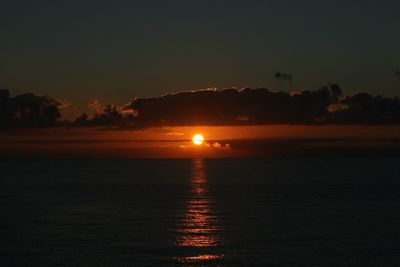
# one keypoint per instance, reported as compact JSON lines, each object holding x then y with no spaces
{"x":198,"y":139}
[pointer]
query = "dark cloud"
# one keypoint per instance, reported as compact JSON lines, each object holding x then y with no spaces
{"x":281,"y":76}
{"x":397,"y":73}
{"x":247,"y":106}
{"x":336,"y":90}
{"x":262,"y":106}
{"x":363,"y":108}
{"x":5,"y":113}
{"x":236,"y":107}
{"x":109,"y":115}
{"x":28,"y":110}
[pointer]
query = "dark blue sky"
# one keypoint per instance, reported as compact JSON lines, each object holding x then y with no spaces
{"x":115,"y":50}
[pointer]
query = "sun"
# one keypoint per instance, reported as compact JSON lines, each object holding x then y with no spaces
{"x":198,"y":139}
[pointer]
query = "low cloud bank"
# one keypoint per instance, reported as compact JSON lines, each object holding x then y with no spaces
{"x":326,"y":105}
{"x":262,"y":106}
{"x":29,"y":110}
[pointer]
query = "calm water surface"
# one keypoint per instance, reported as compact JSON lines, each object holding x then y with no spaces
{"x":229,"y":212}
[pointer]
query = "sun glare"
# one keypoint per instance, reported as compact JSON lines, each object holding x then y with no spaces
{"x":198,"y":139}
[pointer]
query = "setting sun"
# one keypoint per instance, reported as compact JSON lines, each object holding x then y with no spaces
{"x":198,"y":139}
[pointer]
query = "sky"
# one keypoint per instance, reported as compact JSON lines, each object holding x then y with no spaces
{"x":117,"y":50}
{"x":291,"y":141}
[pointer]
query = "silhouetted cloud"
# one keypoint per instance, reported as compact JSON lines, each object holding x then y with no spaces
{"x":29,"y":110}
{"x":236,"y":107}
{"x":247,"y":106}
{"x":281,"y":76}
{"x":5,"y":112}
{"x":109,"y":115}
{"x":336,"y":90}
{"x":363,"y":108}
{"x":397,"y":73}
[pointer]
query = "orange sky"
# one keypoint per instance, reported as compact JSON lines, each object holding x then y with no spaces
{"x":175,"y":142}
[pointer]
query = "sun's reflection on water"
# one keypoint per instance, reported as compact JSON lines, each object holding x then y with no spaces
{"x":199,"y":232}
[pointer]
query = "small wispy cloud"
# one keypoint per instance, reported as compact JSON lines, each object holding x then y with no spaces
{"x":281,"y":76}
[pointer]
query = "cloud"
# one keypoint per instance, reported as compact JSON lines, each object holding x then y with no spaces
{"x":29,"y":110}
{"x":217,"y":145}
{"x":281,"y":76}
{"x":325,"y":105}
{"x":63,"y":104}
{"x":174,"y":133}
{"x":212,"y":145}
{"x":397,"y":73}
{"x":109,"y":115}
{"x":337,"y":107}
{"x":261,"y":106}
{"x":95,"y":106}
{"x":235,"y":107}
{"x":363,"y":108}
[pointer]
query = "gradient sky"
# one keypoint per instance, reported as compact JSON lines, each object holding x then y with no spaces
{"x":115,"y":50}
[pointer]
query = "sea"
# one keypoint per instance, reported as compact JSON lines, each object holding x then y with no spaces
{"x":200,"y":212}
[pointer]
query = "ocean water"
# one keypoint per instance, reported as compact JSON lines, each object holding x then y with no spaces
{"x":201,"y":212}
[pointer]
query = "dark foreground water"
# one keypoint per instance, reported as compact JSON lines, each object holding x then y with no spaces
{"x":234,"y":212}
